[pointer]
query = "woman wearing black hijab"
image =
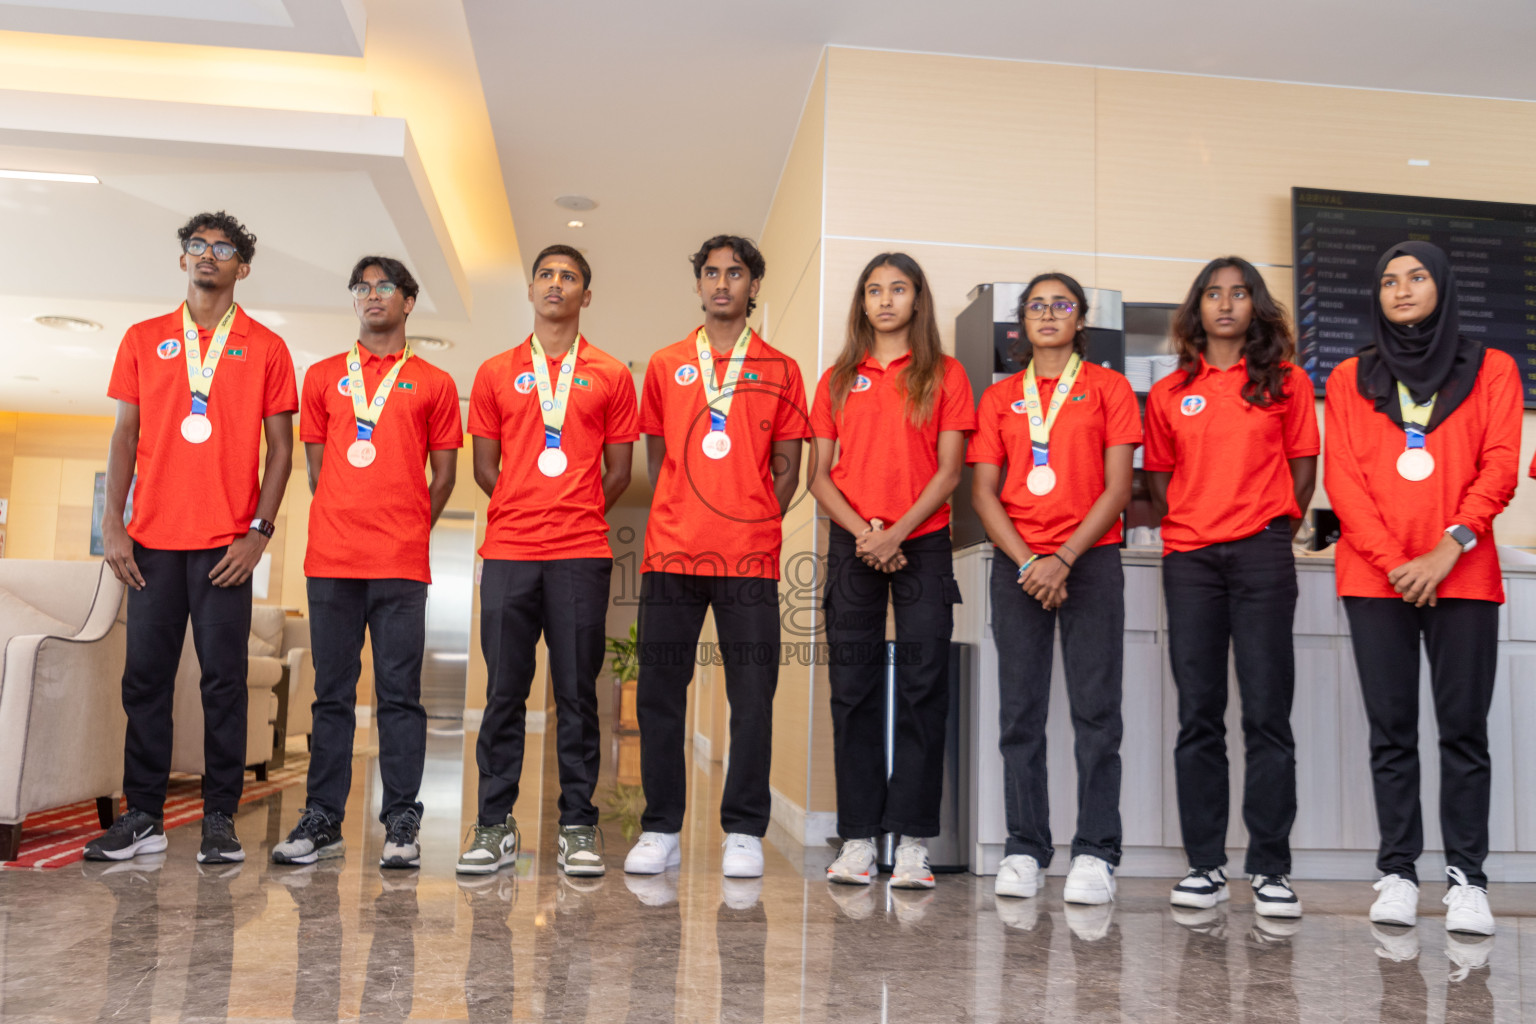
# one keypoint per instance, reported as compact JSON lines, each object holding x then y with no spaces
{"x":1421,"y":452}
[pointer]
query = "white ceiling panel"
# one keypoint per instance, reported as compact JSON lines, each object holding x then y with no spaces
{"x":305,"y":26}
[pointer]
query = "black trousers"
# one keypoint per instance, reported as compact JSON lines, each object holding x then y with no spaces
{"x":394,"y":614}
{"x":1240,"y":593}
{"x":923,"y":595}
{"x":672,"y":607}
{"x":1462,"y":639}
{"x":176,"y":586}
{"x":567,"y":601}
{"x":1093,"y":655}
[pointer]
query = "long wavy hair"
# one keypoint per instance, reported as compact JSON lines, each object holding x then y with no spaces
{"x":921,"y":377}
{"x":1268,"y":344}
{"x":1022,"y":351}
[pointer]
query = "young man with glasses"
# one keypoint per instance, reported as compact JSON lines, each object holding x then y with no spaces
{"x":196,"y":390}
{"x":373,"y":417}
{"x":554,"y":428}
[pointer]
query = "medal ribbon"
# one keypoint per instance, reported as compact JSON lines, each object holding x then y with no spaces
{"x":1040,"y":427}
{"x":1415,"y":416}
{"x":553,"y":402}
{"x":366,"y":412}
{"x":199,"y":368}
{"x":719,"y":397}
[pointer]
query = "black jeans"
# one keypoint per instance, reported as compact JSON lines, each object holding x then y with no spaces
{"x":1462,"y":638}
{"x":923,"y":594}
{"x":176,"y":586}
{"x":1093,"y":653}
{"x":672,"y":607}
{"x":1242,"y":593}
{"x":566,"y":600}
{"x":394,"y":612}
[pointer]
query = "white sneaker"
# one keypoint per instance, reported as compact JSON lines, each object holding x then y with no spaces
{"x":743,"y":856}
{"x":653,"y":853}
{"x":1018,"y":876}
{"x":855,"y":862}
{"x":1091,"y":881}
{"x":911,"y":870}
{"x":1274,"y":897}
{"x":1201,"y":889}
{"x":1398,"y":902}
{"x":1467,"y":906}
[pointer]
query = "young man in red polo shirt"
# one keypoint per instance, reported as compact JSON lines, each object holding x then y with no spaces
{"x":195,"y":389}
{"x":373,"y":417}
{"x":554,"y":430}
{"x":724,"y":416}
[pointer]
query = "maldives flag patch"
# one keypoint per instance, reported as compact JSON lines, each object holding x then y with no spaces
{"x":581,"y":382}
{"x":749,"y":375}
{"x":405,"y":385}
{"x":235,"y":353}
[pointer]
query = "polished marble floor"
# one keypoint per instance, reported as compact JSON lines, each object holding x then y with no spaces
{"x":163,"y":939}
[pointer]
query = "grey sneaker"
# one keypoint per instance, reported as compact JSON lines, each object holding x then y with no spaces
{"x":490,"y":848}
{"x":317,"y":836}
{"x":578,"y":854}
{"x":402,"y":847}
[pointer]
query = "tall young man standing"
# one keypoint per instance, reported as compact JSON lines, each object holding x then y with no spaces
{"x":195,"y":389}
{"x":373,"y":417}
{"x":724,"y":416}
{"x":554,"y":429}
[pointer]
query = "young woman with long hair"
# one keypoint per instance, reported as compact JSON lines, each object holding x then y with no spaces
{"x":1052,"y":456}
{"x":1423,"y":449}
{"x":1231,"y":452}
{"x":890,"y":419}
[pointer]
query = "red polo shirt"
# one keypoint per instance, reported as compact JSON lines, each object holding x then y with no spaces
{"x":1099,"y":413}
{"x":533,"y":517}
{"x":1228,"y":456}
{"x":1386,"y":520}
{"x":191,"y":497}
{"x":718,"y":517}
{"x":375,"y":523}
{"x":883,"y":461}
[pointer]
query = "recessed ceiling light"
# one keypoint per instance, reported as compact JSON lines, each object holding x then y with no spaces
{"x":578,"y":203}
{"x":26,"y":376}
{"x":1412,"y":162}
{"x":575,"y":223}
{"x":67,"y":323}
{"x":79,"y":179}
{"x":429,"y":344}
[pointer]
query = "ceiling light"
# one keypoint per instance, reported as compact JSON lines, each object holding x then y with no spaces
{"x":1417,"y":163}
{"x":429,"y":344}
{"x":26,"y":376}
{"x":578,"y":203}
{"x":67,"y":323}
{"x":575,"y":223}
{"x":79,"y":179}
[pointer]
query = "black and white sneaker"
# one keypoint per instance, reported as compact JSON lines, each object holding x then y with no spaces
{"x":220,"y":844}
{"x":134,"y":833}
{"x":317,"y":836}
{"x":1201,"y":889}
{"x":402,"y":848}
{"x":1274,"y":897}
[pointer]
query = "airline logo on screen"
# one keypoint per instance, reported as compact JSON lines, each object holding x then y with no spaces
{"x":1192,"y":405}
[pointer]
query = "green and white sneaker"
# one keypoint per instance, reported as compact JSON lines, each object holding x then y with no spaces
{"x":490,"y":848}
{"x":578,"y":853}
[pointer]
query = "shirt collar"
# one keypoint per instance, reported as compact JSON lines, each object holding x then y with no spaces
{"x":369,"y":358}
{"x":871,"y":363}
{"x":1207,"y":369}
{"x":523,"y":354}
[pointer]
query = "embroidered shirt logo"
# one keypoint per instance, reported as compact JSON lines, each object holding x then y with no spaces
{"x":1192,"y":405}
{"x":345,"y":386}
{"x":524,"y":383}
{"x":861,"y":383}
{"x":1019,"y":407}
{"x":686,"y":374}
{"x":170,"y":348}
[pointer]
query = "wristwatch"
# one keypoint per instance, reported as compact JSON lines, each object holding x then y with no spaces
{"x":1463,"y":536}
{"x":265,"y":527}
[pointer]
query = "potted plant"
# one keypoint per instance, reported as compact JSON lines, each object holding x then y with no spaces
{"x":626,"y":671}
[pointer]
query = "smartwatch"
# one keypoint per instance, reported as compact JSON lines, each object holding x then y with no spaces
{"x":1463,"y":536}
{"x":265,"y":527}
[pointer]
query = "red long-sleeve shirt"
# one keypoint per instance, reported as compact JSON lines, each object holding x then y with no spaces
{"x":1387,"y":520}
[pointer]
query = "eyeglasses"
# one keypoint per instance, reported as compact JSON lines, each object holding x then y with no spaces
{"x":1060,"y":309}
{"x":384,"y":289}
{"x":222,"y":251}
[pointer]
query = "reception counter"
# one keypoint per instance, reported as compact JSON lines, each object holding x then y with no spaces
{"x":1335,"y":831}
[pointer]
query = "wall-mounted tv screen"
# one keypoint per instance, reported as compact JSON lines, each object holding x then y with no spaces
{"x":1339,"y":236}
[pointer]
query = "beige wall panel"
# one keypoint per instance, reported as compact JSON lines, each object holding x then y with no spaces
{"x":72,"y":534}
{"x":987,"y":152}
{"x":63,"y":437}
{"x":35,"y":481}
{"x":31,"y":529}
{"x":792,"y":231}
{"x":1200,"y":167}
{"x":7,"y":450}
{"x":77,"y":479}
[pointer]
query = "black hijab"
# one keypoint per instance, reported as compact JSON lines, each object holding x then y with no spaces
{"x":1430,"y":357}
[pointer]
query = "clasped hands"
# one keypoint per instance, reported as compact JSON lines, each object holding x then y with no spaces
{"x":880,"y":549}
{"x":1044,"y":578}
{"x":1418,"y":578}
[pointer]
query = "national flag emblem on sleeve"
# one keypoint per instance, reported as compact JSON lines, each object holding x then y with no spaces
{"x":581,"y":382}
{"x":405,"y":385}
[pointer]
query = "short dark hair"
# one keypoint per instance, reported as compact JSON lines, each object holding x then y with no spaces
{"x":393,"y":271}
{"x":243,"y":241}
{"x":566,"y":250}
{"x":745,"y":249}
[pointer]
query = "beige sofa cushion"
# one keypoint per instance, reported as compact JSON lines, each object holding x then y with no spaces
{"x":266,"y":630}
{"x":18,"y":618}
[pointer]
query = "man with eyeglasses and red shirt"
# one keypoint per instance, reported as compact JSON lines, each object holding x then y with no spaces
{"x":196,"y":390}
{"x":373,"y":418}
